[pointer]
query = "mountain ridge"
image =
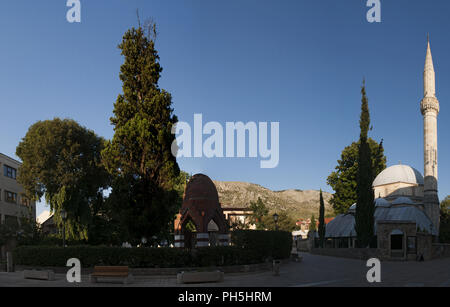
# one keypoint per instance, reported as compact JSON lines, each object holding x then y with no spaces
{"x":297,"y":203}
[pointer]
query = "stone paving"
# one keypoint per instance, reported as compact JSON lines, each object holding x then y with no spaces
{"x":313,"y":271}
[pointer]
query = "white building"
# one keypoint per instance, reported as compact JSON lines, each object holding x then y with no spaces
{"x":13,"y":202}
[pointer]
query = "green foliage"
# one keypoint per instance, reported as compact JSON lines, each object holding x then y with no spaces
{"x":144,"y":197}
{"x":343,"y":179}
{"x":267,"y":244}
{"x":285,"y":222}
{"x":143,"y":257}
{"x":444,"y":228}
{"x":26,"y":232}
{"x":365,"y":208}
{"x":190,"y":226}
{"x":259,"y":211}
{"x":61,"y":161}
{"x":321,"y":220}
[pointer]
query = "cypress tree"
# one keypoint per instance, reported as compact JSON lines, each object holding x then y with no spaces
{"x":364,"y":216}
{"x":139,"y":156}
{"x":321,"y":220}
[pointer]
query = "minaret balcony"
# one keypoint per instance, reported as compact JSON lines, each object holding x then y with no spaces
{"x":429,"y":104}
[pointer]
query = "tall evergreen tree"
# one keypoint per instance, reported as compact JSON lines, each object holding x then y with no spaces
{"x":144,"y":196}
{"x":365,"y":208}
{"x":321,"y":220}
{"x":343,"y":178}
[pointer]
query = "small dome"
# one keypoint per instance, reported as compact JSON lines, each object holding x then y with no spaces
{"x":381,"y":202}
{"x":201,"y":187}
{"x":399,"y":173}
{"x":352,"y":208}
{"x":402,"y":200}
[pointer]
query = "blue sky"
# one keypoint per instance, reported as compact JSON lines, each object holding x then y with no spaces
{"x":300,"y":63}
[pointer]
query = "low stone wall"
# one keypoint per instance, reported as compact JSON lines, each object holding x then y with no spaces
{"x":353,"y":253}
{"x":440,"y":250}
{"x":304,"y":245}
{"x":164,"y":271}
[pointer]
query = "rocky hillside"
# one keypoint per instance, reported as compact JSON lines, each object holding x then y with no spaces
{"x":296,"y":203}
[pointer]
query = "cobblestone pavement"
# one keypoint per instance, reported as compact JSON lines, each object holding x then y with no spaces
{"x":314,"y":270}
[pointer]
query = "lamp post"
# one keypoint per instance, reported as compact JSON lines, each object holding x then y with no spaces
{"x":275,"y":219}
{"x":64,"y":218}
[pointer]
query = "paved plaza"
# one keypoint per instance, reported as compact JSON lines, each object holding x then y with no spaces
{"x":313,"y":271}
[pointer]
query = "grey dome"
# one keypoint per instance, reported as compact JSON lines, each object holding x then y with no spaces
{"x":399,"y":173}
{"x":352,"y":208}
{"x":381,"y":202}
{"x":402,"y":200}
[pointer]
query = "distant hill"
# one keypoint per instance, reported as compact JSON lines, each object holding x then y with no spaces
{"x":296,"y":203}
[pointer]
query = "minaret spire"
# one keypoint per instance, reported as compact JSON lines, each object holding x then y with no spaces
{"x":429,"y":107}
{"x":429,"y":82}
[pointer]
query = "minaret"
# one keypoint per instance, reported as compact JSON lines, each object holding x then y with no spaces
{"x":429,"y":107}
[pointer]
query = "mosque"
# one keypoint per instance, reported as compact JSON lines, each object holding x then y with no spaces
{"x":407,"y":205}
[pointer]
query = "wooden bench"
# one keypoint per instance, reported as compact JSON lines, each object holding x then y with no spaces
{"x":111,"y":272}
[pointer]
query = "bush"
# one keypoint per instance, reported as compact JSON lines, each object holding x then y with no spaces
{"x":267,"y":244}
{"x":144,"y":257}
{"x":248,"y":247}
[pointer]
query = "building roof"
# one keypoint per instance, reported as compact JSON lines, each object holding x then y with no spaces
{"x":399,"y":173}
{"x":402,"y":200}
{"x":44,"y":216}
{"x":344,"y":224}
{"x":381,"y":202}
{"x":10,"y":159}
{"x":201,"y":187}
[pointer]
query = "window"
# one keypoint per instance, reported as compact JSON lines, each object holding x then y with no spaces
{"x":10,"y":197}
{"x":9,"y":172}
{"x":24,"y":201}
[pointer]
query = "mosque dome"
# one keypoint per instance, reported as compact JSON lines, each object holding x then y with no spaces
{"x":201,"y":187}
{"x":352,"y":208}
{"x":398,"y":173}
{"x":381,"y":202}
{"x":402,"y":200}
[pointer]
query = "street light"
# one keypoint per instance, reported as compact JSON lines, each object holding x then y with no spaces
{"x":275,"y":219}
{"x":64,"y":218}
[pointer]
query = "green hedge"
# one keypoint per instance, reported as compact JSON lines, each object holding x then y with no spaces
{"x":249,"y":247}
{"x":135,"y":257}
{"x":268,"y":244}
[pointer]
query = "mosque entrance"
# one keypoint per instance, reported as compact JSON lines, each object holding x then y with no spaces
{"x":397,"y":243}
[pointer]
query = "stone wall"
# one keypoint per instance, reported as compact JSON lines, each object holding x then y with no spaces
{"x":440,"y":250}
{"x":304,"y":245}
{"x":384,"y":231}
{"x":354,"y":253}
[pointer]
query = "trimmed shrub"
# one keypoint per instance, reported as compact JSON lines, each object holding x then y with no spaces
{"x":143,"y":257}
{"x":268,"y":244}
{"x":248,"y":247}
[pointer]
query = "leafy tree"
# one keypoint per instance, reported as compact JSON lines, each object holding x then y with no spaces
{"x":285,"y":222}
{"x":239,"y":225}
{"x":144,"y":193}
{"x":61,"y":162}
{"x":259,"y":211}
{"x":444,"y":228}
{"x":364,"y":215}
{"x":321,"y":220}
{"x":343,"y":179}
